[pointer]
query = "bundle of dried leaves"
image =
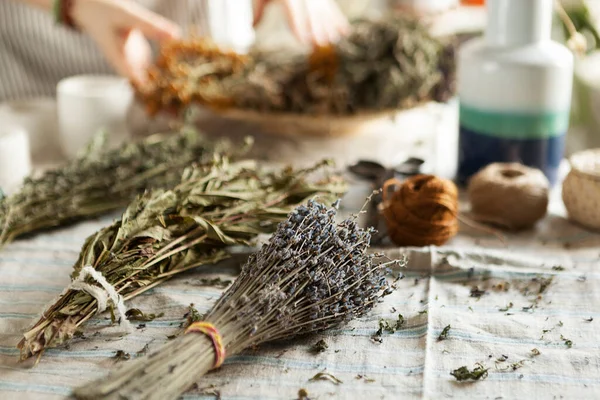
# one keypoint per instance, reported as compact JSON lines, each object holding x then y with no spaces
{"x":166,"y":232}
{"x":312,"y":275}
{"x":99,"y":181}
{"x":382,"y":65}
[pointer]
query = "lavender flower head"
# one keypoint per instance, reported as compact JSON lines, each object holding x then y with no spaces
{"x":312,"y":275}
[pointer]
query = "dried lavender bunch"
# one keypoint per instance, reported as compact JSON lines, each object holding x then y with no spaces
{"x":99,"y":181}
{"x":312,"y":275}
{"x":388,"y":64}
{"x":165,"y":232}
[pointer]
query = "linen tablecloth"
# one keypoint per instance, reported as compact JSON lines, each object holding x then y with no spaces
{"x":485,"y":290}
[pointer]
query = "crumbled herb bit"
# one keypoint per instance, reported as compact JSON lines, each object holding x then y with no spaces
{"x":416,"y":281}
{"x":463,"y":373}
{"x":535,"y":352}
{"x":325,"y":376}
{"x":476,"y":292}
{"x":422,"y":312}
{"x":568,"y":342}
{"x":560,"y":323}
{"x":590,"y":319}
{"x":120,"y":355}
{"x":303,"y":394}
{"x":558,"y":268}
{"x":144,"y":350}
{"x":192,"y":315}
{"x":366,"y":379}
{"x":141,"y":326}
{"x":544,"y":283}
{"x":471,"y":309}
{"x":319,"y":347}
{"x":546,"y":330}
{"x":511,"y":367}
{"x":79,"y":334}
{"x":582,"y":278}
{"x":135,"y":314}
{"x":502,"y":358}
{"x":377,"y":339}
{"x":444,"y":334}
{"x":393,"y":309}
{"x":389,"y":326}
{"x":508,"y":307}
{"x":528,"y":309}
{"x":336,"y":351}
{"x":400,"y":321}
{"x":436,"y":297}
{"x":171,"y":337}
{"x":445,"y":351}
{"x":216,"y":282}
{"x":501,"y":287}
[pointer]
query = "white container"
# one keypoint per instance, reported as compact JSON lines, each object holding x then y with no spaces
{"x":15,"y":159}
{"x":38,"y":118}
{"x":514,"y":87}
{"x":230,"y":23}
{"x":423,"y":7}
{"x":88,"y":104}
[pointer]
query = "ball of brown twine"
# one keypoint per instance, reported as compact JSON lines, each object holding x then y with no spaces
{"x":510,"y":195}
{"x":422,"y":211}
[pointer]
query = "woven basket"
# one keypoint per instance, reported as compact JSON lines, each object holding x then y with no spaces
{"x":581,"y":189}
{"x":309,"y":125}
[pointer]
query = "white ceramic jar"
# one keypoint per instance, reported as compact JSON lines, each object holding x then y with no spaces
{"x":514,"y":87}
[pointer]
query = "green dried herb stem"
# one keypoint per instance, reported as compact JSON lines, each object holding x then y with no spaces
{"x":100,"y":181}
{"x":165,"y":232}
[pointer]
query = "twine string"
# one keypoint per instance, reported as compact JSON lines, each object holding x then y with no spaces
{"x":510,"y":195}
{"x":213,"y":334}
{"x":101,"y":294}
{"x":423,"y":210}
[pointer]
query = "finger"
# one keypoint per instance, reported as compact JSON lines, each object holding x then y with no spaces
{"x":340,"y":21}
{"x":137,"y":54}
{"x":316,"y":29}
{"x":259,"y":11}
{"x":150,"y":24}
{"x":295,"y":14}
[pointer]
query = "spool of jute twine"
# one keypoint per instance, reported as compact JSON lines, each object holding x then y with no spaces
{"x":510,"y":195}
{"x":423,"y":210}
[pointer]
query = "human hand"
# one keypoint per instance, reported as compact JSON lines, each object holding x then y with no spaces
{"x":317,"y":22}
{"x":121,"y":28}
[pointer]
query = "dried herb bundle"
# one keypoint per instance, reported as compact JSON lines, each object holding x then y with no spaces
{"x":190,"y":72}
{"x":387,"y":64}
{"x":99,"y":181}
{"x":166,"y":232}
{"x":312,"y":275}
